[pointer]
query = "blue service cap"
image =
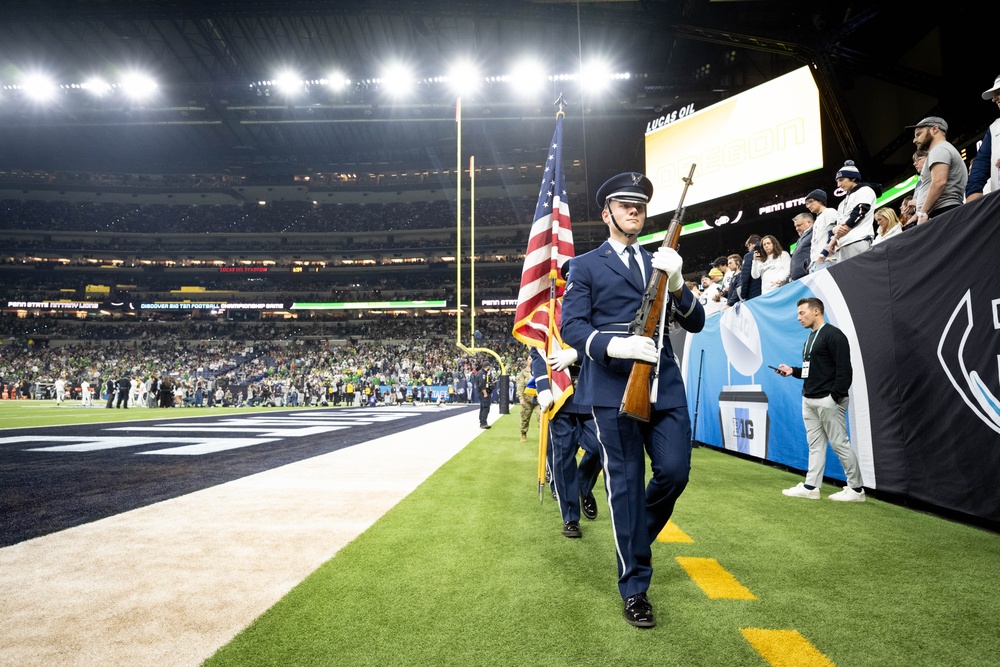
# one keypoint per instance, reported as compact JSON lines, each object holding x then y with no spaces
{"x":630,"y":186}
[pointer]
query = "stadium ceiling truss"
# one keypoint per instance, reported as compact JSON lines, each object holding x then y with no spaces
{"x":217,"y":111}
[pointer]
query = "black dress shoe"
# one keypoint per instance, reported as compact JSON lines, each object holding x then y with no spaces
{"x":572,"y":529}
{"x":638,"y":611}
{"x":588,"y":506}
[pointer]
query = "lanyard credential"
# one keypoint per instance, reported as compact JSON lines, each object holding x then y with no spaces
{"x":807,"y":349}
{"x":808,"y":346}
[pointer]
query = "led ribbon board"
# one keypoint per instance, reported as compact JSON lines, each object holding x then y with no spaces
{"x":760,"y":136}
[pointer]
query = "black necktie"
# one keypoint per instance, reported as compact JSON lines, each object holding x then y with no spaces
{"x":633,"y":264}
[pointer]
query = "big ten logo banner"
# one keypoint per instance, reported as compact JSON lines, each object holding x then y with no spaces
{"x":744,"y":406}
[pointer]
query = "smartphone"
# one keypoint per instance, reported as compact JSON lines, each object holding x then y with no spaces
{"x":776,"y":370}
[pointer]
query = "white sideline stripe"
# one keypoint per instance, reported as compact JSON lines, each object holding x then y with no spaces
{"x":203,"y":428}
{"x":209,"y":446}
{"x":250,"y":422}
{"x":264,"y":430}
{"x":170,"y":583}
{"x":126,"y":441}
{"x":96,"y":443}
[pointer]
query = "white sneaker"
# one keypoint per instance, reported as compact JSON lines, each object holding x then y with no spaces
{"x":800,"y":491}
{"x":848,"y":495}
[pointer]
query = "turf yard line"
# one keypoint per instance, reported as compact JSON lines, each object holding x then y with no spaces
{"x":671,"y":533}
{"x":169,"y":583}
{"x":785,"y":648}
{"x":712,"y":578}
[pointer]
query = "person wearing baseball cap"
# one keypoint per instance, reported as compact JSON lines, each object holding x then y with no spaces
{"x":986,"y":165}
{"x":825,"y":220}
{"x":944,"y":175}
{"x":604,"y":290}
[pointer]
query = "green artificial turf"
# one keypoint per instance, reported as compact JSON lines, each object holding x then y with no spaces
{"x":471,"y":569}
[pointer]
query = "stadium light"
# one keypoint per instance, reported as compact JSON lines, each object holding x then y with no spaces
{"x":38,"y":87}
{"x":527,"y":77}
{"x":464,"y":77}
{"x":288,"y":83}
{"x":337,"y":81}
{"x":595,"y":77}
{"x":397,"y":80}
{"x":138,"y":86}
{"x":96,"y":86}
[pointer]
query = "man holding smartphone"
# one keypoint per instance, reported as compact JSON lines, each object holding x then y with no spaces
{"x":826,"y":373}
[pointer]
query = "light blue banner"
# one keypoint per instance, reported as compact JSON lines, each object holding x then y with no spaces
{"x":743,"y":405}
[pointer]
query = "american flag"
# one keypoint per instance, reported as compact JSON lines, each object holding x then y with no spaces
{"x":550,"y":246}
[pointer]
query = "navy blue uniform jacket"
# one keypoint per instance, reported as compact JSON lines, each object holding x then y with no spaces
{"x":540,"y":371}
{"x":600,"y":301}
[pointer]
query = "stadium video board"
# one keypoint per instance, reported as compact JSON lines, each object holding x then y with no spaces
{"x":760,"y":136}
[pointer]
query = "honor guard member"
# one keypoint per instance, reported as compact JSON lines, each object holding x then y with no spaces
{"x":570,"y":429}
{"x":603,"y":293}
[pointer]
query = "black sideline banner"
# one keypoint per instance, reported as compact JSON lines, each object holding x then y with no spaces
{"x":922,"y":313}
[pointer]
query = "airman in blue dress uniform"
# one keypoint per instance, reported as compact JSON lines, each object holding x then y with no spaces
{"x":570,"y":429}
{"x":603,"y":293}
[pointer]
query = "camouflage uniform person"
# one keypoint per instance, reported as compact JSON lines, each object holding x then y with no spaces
{"x":529,"y":404}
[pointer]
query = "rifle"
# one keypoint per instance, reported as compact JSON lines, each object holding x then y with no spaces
{"x":635,"y":402}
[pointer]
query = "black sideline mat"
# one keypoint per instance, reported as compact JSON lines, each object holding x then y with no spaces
{"x":59,"y":477}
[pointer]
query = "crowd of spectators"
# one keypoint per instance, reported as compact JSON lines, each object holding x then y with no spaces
{"x":380,"y":177}
{"x":495,"y":328}
{"x":383,"y":286}
{"x":252,"y":218}
{"x":383,"y":359}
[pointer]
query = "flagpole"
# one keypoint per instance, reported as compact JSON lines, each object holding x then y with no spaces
{"x":553,"y":253}
{"x":550,"y":245}
{"x":543,"y":441}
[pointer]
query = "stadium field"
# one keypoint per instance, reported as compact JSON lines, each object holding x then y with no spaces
{"x":417,"y":539}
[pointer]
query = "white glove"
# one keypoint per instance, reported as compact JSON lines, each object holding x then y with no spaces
{"x":544,"y":399}
{"x":633,"y":347}
{"x":562,"y":359}
{"x":671,"y":263}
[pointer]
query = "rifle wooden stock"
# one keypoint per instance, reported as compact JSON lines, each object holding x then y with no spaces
{"x":635,"y":401}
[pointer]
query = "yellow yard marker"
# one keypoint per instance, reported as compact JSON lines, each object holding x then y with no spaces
{"x":671,"y":533}
{"x":714,"y":579}
{"x":785,"y":648}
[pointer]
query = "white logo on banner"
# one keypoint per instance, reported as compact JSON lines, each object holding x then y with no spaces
{"x":743,"y":406}
{"x":741,"y":339}
{"x":986,"y":405}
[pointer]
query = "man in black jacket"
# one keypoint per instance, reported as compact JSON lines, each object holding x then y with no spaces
{"x":484,"y":389}
{"x":800,"y":257}
{"x":124,"y":389}
{"x":826,"y":373}
{"x":111,"y":387}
